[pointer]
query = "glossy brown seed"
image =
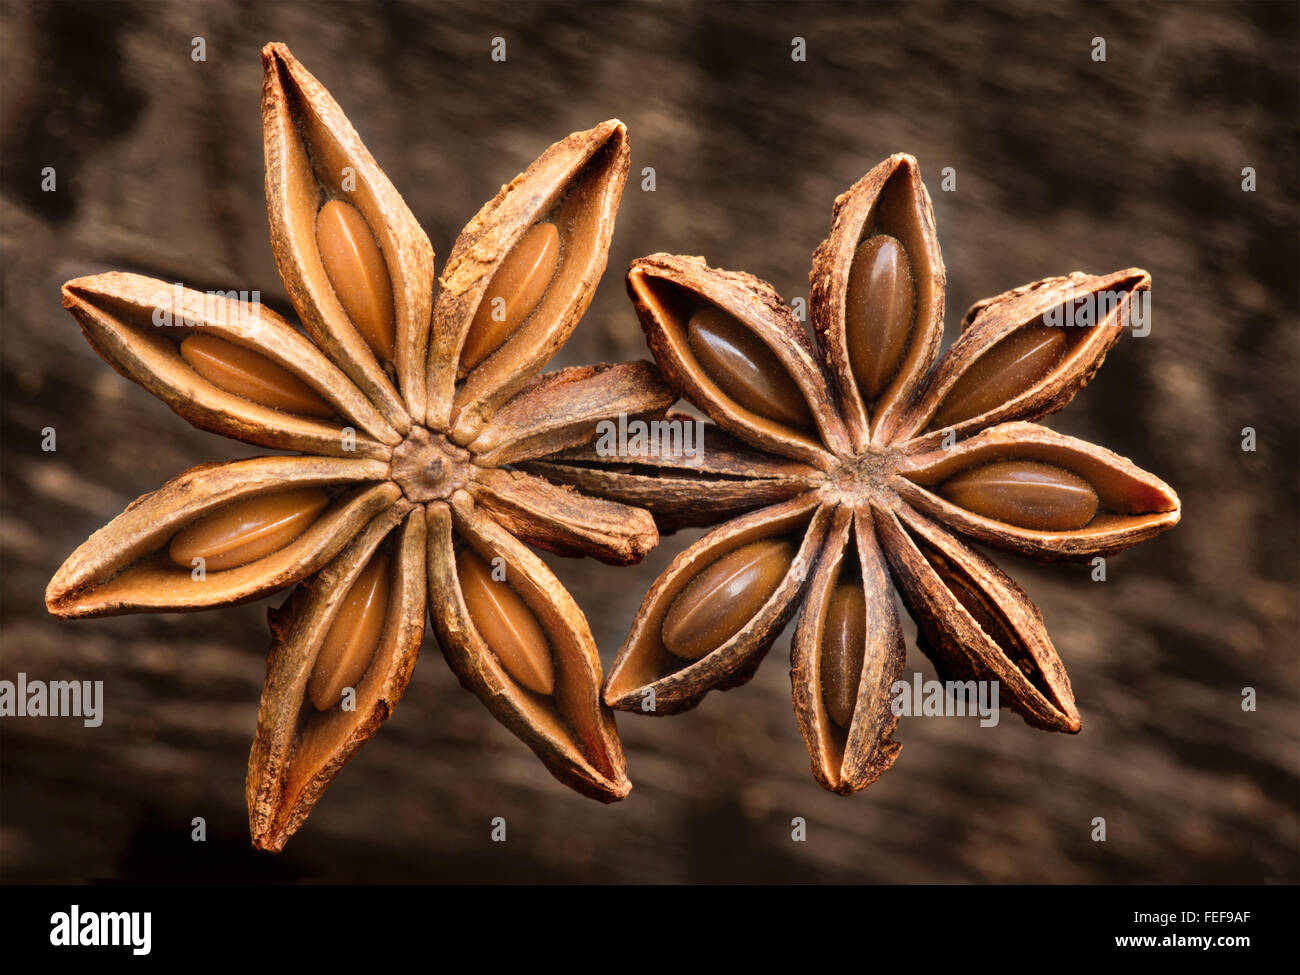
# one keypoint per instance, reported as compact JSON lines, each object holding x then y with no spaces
{"x":505,"y":623}
{"x":724,"y":596}
{"x":745,"y":368}
{"x":252,"y":376}
{"x":844,"y":641}
{"x":1015,"y":364}
{"x":879,"y":309}
{"x":1025,"y":493}
{"x":520,"y":283}
{"x":355,"y":267}
{"x":353,"y":636}
{"x":243,"y":531}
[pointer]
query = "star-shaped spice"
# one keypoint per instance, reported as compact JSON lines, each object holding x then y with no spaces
{"x":402,"y":495}
{"x":846,"y":469}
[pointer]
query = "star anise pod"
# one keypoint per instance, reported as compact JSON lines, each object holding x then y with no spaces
{"x":403,"y":495}
{"x":848,"y":468}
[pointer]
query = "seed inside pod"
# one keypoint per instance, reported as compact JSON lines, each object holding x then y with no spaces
{"x":246,"y":530}
{"x":985,"y":614}
{"x":252,"y":376}
{"x":355,"y":267}
{"x":1012,"y":366}
{"x":352,"y":637}
{"x":724,"y":596}
{"x":844,"y":641}
{"x":505,"y":623}
{"x":745,"y":368}
{"x":520,"y":284}
{"x":879,"y":310}
{"x":1026,"y":493}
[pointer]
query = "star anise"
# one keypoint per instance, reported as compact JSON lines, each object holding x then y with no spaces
{"x":847,"y":468}
{"x":402,"y":496}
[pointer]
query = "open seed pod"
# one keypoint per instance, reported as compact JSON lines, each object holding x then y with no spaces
{"x":1024,"y":354}
{"x":206,"y":356}
{"x":673,"y":466}
{"x":256,"y":525}
{"x":877,"y":295}
{"x":357,"y":266}
{"x":1026,"y":489}
{"x":729,"y":344}
{"x":516,"y":639}
{"x":521,"y":275}
{"x":847,"y":653}
{"x":713,"y":615}
{"x":344,"y":645}
{"x":976,"y":622}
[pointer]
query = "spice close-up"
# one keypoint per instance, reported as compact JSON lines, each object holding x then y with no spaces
{"x":708,"y":396}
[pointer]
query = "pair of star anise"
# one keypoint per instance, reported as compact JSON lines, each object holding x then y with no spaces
{"x":433,"y":450}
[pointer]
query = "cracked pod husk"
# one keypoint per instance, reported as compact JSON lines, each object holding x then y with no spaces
{"x":575,"y":185}
{"x":314,"y":156}
{"x":299,"y":748}
{"x":848,"y":755}
{"x":126,"y":567}
{"x":569,"y":729}
{"x":650,"y":678}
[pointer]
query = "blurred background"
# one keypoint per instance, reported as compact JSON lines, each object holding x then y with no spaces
{"x":1061,"y":162}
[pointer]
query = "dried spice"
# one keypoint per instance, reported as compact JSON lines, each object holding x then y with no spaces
{"x":846,"y":469}
{"x":406,"y":414}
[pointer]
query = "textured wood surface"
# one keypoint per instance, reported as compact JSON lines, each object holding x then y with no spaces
{"x":1061,"y":163}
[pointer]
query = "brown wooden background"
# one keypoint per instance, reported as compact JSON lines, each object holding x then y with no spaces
{"x":1061,"y":163}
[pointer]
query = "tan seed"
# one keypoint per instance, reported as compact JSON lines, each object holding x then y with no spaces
{"x":1016,"y":363}
{"x":353,"y":636}
{"x":252,"y":376}
{"x":505,"y":623}
{"x":520,"y":282}
{"x":879,"y":310}
{"x":355,"y":267}
{"x":745,"y":368}
{"x":724,"y":596}
{"x":1025,"y":493}
{"x":244,"y":531}
{"x":844,"y":642}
